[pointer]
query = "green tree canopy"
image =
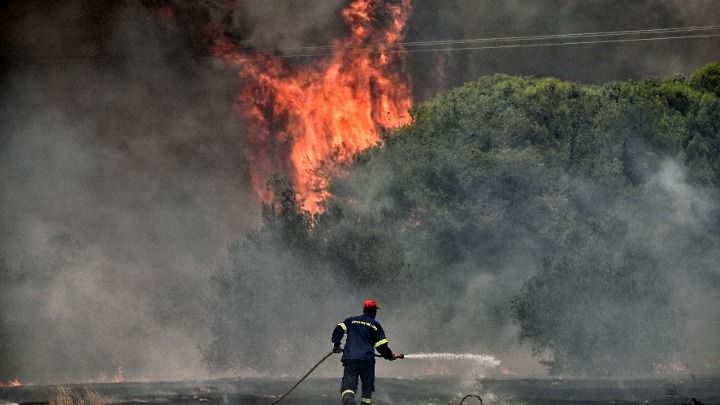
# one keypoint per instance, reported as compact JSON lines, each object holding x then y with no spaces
{"x":585,"y":203}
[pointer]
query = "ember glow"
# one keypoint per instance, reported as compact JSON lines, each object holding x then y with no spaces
{"x":672,"y":367}
{"x":12,"y":383}
{"x":309,"y":121}
{"x":117,"y":377}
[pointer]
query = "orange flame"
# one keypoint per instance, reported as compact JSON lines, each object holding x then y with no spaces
{"x":117,"y":377}
{"x":308,"y":122}
{"x":671,"y":367}
{"x":507,"y":372}
{"x":12,"y":383}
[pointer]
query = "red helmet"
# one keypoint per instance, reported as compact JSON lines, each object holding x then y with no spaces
{"x":370,"y":304}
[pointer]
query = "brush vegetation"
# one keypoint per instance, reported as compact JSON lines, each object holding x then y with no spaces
{"x":582,"y":203}
{"x":62,"y":395}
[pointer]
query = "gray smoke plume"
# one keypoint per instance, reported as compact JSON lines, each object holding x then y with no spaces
{"x":123,"y":181}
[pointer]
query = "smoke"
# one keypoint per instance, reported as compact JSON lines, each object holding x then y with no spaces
{"x":294,"y":24}
{"x":679,"y":226}
{"x":123,"y":181}
{"x":618,"y":300}
{"x":658,"y":245}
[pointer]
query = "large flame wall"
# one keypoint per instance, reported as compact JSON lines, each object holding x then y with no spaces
{"x":308,"y":122}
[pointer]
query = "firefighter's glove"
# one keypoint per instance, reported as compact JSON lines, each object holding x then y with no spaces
{"x":337,"y":349}
{"x":391,"y":357}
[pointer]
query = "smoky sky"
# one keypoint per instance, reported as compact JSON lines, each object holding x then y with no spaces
{"x":593,"y":64}
{"x":122,"y":173}
{"x":264,"y":26}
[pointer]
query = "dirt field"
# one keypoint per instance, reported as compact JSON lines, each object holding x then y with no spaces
{"x":393,"y":391}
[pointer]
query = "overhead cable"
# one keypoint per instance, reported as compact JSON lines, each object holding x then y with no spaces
{"x":447,"y":45}
{"x":653,"y":31}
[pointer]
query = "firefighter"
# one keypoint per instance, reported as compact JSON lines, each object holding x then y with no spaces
{"x":364,"y":336}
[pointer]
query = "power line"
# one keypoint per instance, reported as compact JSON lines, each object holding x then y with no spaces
{"x":569,"y":36}
{"x":652,"y":31}
{"x":551,"y":44}
{"x":510,"y":42}
{"x":508,"y":46}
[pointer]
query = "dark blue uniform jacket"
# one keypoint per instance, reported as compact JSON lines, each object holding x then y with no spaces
{"x":364,"y":336}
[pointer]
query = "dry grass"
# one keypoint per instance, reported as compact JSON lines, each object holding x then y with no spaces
{"x":66,"y":396}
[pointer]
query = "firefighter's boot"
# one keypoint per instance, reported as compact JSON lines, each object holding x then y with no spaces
{"x":348,"y":398}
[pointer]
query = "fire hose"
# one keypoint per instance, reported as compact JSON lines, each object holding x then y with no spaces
{"x":471,"y":396}
{"x":398,"y":356}
{"x":303,"y":378}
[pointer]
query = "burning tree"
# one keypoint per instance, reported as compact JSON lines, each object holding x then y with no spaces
{"x":310,"y":120}
{"x":598,"y":189}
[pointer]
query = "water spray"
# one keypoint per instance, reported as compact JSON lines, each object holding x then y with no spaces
{"x":482,"y":359}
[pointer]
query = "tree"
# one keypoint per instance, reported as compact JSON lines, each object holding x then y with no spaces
{"x":508,"y":186}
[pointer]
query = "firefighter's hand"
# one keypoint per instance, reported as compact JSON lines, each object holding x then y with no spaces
{"x":392,"y":357}
{"x":337,"y":349}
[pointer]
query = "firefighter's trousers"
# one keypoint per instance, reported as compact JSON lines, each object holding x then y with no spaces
{"x":365,"y":370}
